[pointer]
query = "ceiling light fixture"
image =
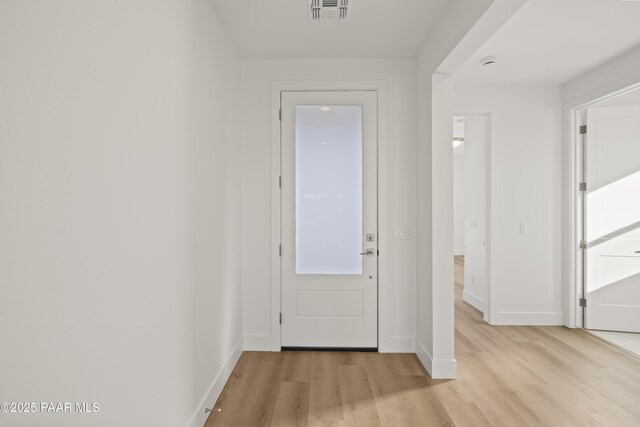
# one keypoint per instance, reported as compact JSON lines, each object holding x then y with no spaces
{"x":489,"y":61}
{"x":325,"y":109}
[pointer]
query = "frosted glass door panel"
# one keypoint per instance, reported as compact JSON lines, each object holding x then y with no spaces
{"x":328,"y":189}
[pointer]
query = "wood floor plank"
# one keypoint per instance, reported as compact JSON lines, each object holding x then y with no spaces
{"x":325,"y":401}
{"x":257,"y":389}
{"x":296,"y":366}
{"x":466,"y":414}
{"x":292,"y":405}
{"x":416,"y":405}
{"x":507,"y":376}
{"x":400,"y":364}
{"x":359,"y":406}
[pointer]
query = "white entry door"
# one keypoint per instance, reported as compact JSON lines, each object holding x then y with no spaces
{"x":612,"y":285}
{"x":329,"y":219}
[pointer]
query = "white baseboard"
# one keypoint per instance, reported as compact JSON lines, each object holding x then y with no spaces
{"x":437,"y":368}
{"x":398,"y":344}
{"x":472,"y":299}
{"x":424,"y":356}
{"x":199,"y":418}
{"x":259,"y":342}
{"x":537,"y":318}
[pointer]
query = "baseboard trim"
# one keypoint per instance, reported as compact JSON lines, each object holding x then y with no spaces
{"x":473,"y":300}
{"x":199,"y":418}
{"x":424,"y":356}
{"x":258,"y":342}
{"x":437,"y":368}
{"x":536,"y":318}
{"x":398,"y":344}
{"x":444,"y":369}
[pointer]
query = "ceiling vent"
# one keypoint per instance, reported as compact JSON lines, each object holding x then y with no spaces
{"x":329,"y":10}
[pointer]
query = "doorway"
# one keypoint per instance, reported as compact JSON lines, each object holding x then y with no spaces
{"x":471,"y":210}
{"x":329,"y":214}
{"x":609,"y":195}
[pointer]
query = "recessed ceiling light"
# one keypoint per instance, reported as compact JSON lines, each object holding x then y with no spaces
{"x":325,"y":108}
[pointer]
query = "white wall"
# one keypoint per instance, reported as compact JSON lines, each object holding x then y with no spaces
{"x":399,"y":209}
{"x":613,"y":76}
{"x":476,"y":195}
{"x":119,"y":187}
{"x":525,"y":189}
{"x":462,"y":29}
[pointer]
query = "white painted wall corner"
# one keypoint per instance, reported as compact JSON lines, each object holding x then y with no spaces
{"x":199,"y":417}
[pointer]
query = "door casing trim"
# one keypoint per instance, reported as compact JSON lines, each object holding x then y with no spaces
{"x":572,"y":266}
{"x":277,"y":87}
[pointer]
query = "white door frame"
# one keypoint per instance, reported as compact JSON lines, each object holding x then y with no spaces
{"x":277,"y":87}
{"x":487,"y":114}
{"x":574,"y":318}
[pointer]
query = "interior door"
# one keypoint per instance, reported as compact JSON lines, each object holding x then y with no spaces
{"x":612,"y":221}
{"x":329,"y":219}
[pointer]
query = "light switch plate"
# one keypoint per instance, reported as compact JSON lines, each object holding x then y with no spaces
{"x":401,"y":233}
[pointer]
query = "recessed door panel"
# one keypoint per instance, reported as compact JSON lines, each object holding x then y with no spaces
{"x":612,"y":218}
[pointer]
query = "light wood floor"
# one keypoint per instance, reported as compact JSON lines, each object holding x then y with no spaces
{"x":507,"y":376}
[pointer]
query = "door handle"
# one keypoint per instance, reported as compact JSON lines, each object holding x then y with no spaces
{"x":369,"y":252}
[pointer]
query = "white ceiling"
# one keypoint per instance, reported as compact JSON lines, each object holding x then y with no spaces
{"x":554,"y":41}
{"x":281,"y":29}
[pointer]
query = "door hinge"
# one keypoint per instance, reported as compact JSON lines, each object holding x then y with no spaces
{"x":280,"y":250}
{"x":281,"y":318}
{"x":583,"y":130}
{"x":583,"y":244}
{"x":280,"y":181}
{"x":583,"y":302}
{"x":582,"y":186}
{"x":280,"y":114}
